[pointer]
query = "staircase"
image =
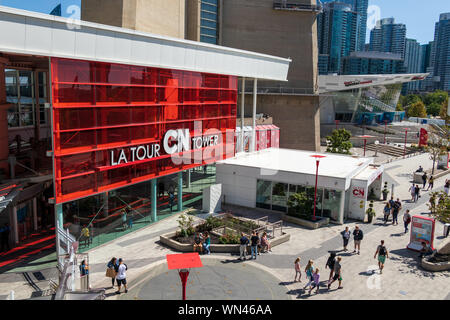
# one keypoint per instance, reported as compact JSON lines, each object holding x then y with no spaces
{"x":390,"y":150}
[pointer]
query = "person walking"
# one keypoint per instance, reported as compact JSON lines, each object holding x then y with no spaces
{"x":330,"y":264}
{"x":416,"y":193}
{"x":382,"y":255}
{"x":430,"y":183}
{"x":406,"y":220}
{"x":254,"y":245}
{"x":395,"y":210}
{"x":412,"y":191}
{"x":357,"y":238}
{"x":121,"y":276}
{"x":171,"y":199}
{"x":387,"y":212}
{"x":346,"y":237}
{"x":309,"y":270}
{"x":447,"y":186}
{"x":111,"y":272}
{"x":243,"y":246}
{"x":206,"y":242}
{"x":316,"y":282}
{"x":424,"y":179}
{"x":337,"y":274}
{"x":297,"y":269}
{"x":84,"y":275}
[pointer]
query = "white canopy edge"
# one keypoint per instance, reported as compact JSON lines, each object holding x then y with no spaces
{"x":334,"y":83}
{"x":25,"y":32}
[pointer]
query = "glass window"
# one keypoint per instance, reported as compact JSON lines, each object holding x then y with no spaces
{"x":263,"y":194}
{"x":209,"y":7}
{"x":208,"y":31}
{"x":208,"y":23}
{"x":208,"y":39}
{"x":208,"y":15}
{"x":279,"y":197}
{"x":332,"y":203}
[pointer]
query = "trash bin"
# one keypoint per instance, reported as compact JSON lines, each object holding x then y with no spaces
{"x":446,"y":229}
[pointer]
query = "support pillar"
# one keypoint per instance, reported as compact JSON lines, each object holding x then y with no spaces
{"x":188,"y":178}
{"x":255,"y":86}
{"x":4,"y":150}
{"x":342,"y":207}
{"x":241,"y":138}
{"x":154,"y":199}
{"x":15,"y":227}
{"x":59,"y":215}
{"x":180,"y":191}
{"x":35,"y":223}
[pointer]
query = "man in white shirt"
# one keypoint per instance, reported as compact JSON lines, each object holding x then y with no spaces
{"x":122,"y":276}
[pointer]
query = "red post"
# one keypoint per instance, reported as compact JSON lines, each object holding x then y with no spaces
{"x":184,"y":274}
{"x":337,"y":122}
{"x":404,"y":150}
{"x":315,"y":190}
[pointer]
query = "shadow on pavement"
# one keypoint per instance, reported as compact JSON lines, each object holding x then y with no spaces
{"x":411,"y":263}
{"x":398,"y":234}
{"x":233,"y":261}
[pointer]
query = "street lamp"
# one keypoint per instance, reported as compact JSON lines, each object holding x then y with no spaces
{"x":365,"y":141}
{"x":385,"y":129}
{"x":318,"y":157}
{"x":337,"y":122}
{"x":404,"y":149}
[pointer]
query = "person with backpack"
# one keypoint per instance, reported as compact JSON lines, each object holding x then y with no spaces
{"x":346,"y":237}
{"x":254,"y":245}
{"x":337,"y":274}
{"x":357,"y":238}
{"x":243,"y":246}
{"x":382,"y":255}
{"x":406,"y":220}
{"x":387,"y":212}
{"x":330,"y":264}
{"x":395,"y":210}
{"x":121,"y":276}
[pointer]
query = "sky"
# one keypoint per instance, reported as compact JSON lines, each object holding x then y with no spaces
{"x":419,"y":16}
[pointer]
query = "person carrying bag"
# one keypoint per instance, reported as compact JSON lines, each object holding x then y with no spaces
{"x":111,"y":270}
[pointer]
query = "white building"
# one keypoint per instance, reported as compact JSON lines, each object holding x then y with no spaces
{"x":265,"y":179}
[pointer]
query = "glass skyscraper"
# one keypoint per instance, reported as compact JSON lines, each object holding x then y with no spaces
{"x":337,"y":29}
{"x":388,"y":36}
{"x":441,"y":53}
{"x":209,"y":21}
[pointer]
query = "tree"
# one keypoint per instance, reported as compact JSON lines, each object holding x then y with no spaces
{"x":434,"y":109}
{"x":444,"y":111}
{"x":437,"y":147}
{"x":300,"y":204}
{"x":440,"y":206}
{"x":399,"y":107}
{"x":417,"y":109}
{"x":437,"y":97}
{"x":339,"y":142}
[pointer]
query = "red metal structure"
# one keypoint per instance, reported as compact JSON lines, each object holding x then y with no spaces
{"x":318,"y":157}
{"x":365,"y":137}
{"x":103,"y":109}
{"x":183,"y":262}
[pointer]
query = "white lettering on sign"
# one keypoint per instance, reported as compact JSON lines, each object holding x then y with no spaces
{"x":174,"y":141}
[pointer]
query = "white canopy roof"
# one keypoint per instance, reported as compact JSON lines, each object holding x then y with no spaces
{"x":26,"y":32}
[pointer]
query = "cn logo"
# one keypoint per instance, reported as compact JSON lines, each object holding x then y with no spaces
{"x":358,"y":192}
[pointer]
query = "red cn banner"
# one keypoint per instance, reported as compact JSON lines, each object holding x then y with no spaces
{"x":423,"y":140}
{"x":116,"y":125}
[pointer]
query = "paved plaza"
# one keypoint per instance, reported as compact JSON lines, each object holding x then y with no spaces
{"x":271,"y":275}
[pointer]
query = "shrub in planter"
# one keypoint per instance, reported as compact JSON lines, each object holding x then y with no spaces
{"x":300,"y":205}
{"x":385,"y":191}
{"x":370,"y":212}
{"x":185,"y":223}
{"x":229,"y":238}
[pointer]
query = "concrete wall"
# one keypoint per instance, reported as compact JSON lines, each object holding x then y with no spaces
{"x":193,"y":20}
{"x":298,"y":118}
{"x":254,"y":25}
{"x":164,"y":17}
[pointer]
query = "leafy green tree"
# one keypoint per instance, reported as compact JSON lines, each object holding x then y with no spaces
{"x":339,"y":142}
{"x":434,"y":109}
{"x":440,"y":206}
{"x":437,"y":97}
{"x":411,"y":99}
{"x":417,"y":109}
{"x":399,"y":107}
{"x":444,"y":111}
{"x":300,"y":204}
{"x":437,"y":147}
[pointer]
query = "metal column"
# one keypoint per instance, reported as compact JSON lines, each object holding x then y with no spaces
{"x":180,"y":191}
{"x":241,"y":138}
{"x":255,"y":86}
{"x":154,"y":199}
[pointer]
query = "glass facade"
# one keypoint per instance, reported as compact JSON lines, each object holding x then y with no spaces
{"x":209,"y":21}
{"x":21,"y":93}
{"x":274,"y":196}
{"x":111,"y":122}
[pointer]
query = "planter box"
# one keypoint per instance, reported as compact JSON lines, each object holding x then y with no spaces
{"x":219,"y":248}
{"x":306,"y":223}
{"x":435,"y":267}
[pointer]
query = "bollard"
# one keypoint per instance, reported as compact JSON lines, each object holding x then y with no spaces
{"x":11,"y":295}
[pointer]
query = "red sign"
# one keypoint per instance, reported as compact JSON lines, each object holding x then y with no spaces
{"x":359,"y":192}
{"x":115,"y":125}
{"x":423,"y":140}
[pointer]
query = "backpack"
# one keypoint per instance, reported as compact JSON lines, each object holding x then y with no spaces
{"x":126,"y":267}
{"x":382,"y":251}
{"x":330,"y":263}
